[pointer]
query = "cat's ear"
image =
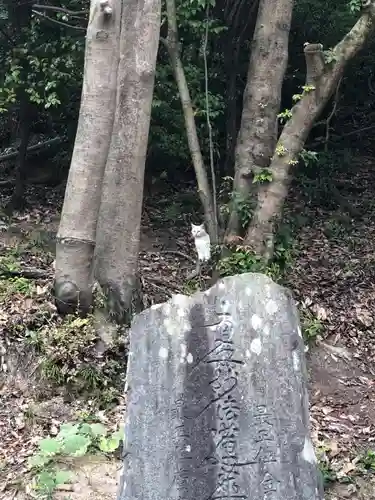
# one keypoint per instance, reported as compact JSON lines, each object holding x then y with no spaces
{"x":193,"y":226}
{"x":202,"y":226}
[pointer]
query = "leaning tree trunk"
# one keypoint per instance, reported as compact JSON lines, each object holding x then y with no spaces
{"x":76,"y":235}
{"x":204,"y":190}
{"x":261,"y":103}
{"x":118,"y":231}
{"x":321,"y":81}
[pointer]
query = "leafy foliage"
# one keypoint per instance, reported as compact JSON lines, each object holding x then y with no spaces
{"x":242,"y":260}
{"x":42,"y":61}
{"x":67,"y":357}
{"x":311,"y":326}
{"x":73,"y":440}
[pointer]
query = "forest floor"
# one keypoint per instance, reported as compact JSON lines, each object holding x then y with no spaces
{"x":332,"y":277}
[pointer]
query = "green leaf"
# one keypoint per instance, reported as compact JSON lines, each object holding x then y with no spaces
{"x":38,"y":460}
{"x":119,"y":434}
{"x":45,"y":481}
{"x":50,"y":446}
{"x":63,"y":477}
{"x":76,"y":445}
{"x":98,"y":430}
{"x":68,"y":430}
{"x":111,"y":444}
{"x":85,"y":429}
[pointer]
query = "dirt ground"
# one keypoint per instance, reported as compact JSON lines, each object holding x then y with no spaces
{"x":333,"y":279}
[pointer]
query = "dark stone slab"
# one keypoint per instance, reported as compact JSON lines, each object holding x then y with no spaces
{"x":217,"y":398}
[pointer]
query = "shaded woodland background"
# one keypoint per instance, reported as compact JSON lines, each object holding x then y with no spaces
{"x":63,"y":369}
{"x":53,"y":77}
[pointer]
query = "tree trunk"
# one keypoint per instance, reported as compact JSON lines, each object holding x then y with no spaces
{"x":20,"y":17}
{"x":77,"y":231}
{"x":18,"y":197}
{"x":118,"y":232}
{"x":321,"y":81}
{"x":240,"y":24}
{"x":261,"y":102}
{"x":204,"y":190}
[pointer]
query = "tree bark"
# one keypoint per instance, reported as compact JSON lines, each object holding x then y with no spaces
{"x":77,"y":231}
{"x":118,"y":232}
{"x":261,"y":102}
{"x":322,"y":80}
{"x":18,"y":199}
{"x":20,"y":17}
{"x":233,"y":39}
{"x":204,"y":190}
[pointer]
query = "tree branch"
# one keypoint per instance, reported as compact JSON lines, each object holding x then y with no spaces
{"x":209,"y":127}
{"x":61,"y":23}
{"x":29,"y":273}
{"x":332,"y":114}
{"x":357,"y":36}
{"x":321,"y":140}
{"x":60,"y":9}
{"x":204,"y":191}
{"x":35,"y":147}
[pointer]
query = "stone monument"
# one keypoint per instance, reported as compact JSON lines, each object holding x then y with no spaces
{"x":217,"y":398}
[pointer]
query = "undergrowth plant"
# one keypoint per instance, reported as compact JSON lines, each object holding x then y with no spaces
{"x":68,"y":357}
{"x":73,"y":440}
{"x":368,"y":461}
{"x":311,"y":326}
{"x":242,"y":259}
{"x":329,"y":476}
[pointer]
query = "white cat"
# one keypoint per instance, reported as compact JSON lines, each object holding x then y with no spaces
{"x":202,"y":242}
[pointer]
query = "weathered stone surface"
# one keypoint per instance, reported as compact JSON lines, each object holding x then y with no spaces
{"x":217,"y":398}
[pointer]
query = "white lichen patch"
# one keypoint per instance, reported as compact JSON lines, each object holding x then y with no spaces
{"x":181,"y":313}
{"x":221,"y":285}
{"x":188,"y":448}
{"x":266,"y":330}
{"x":256,"y":346}
{"x":182,"y":301}
{"x":299,"y":331}
{"x":163,"y":353}
{"x":248,"y":353}
{"x":225,"y":306}
{"x":183,"y":350}
{"x":185,"y":328}
{"x":170,"y":326}
{"x":183,"y":353}
{"x":271,"y":307}
{"x":177,"y":326}
{"x":248,"y":291}
{"x":267,"y":290}
{"x":189,"y":358}
{"x":296,"y":361}
{"x":167,"y":309}
{"x":256,"y":321}
{"x":156,"y":306}
{"x":308,"y":452}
